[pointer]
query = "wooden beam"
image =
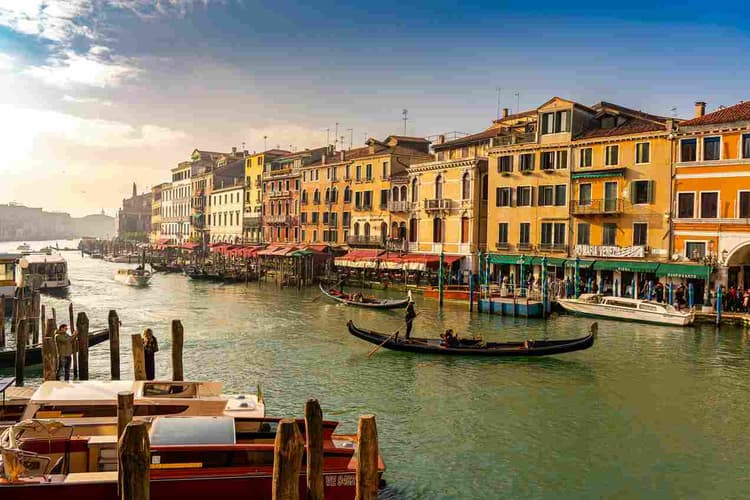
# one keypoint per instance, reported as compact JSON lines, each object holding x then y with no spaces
{"x":125,"y":401}
{"x":82,"y":327}
{"x":49,"y":358}
{"x":21,"y":340}
{"x":177,"y":343}
{"x":314,"y":438}
{"x":134,"y":453}
{"x":71,"y":327}
{"x":114,"y":344}
{"x":51,"y":328}
{"x":2,"y":320}
{"x":367,"y":459}
{"x":36,"y":304}
{"x":287,"y":461}
{"x":139,"y":357}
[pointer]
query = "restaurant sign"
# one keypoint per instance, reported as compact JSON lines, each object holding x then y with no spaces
{"x":611,"y":251}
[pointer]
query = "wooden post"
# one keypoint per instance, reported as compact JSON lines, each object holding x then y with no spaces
{"x":139,"y":357}
{"x":314,"y":438}
{"x":177,"y":341}
{"x":71,"y":326}
{"x":36,"y":303}
{"x":114,"y":344}
{"x":82,"y":327}
{"x":287,"y":461}
{"x":2,"y":320}
{"x":14,"y":313}
{"x":51,"y":328}
{"x":124,"y":411}
{"x":367,"y":459}
{"x":134,"y":454}
{"x":21,"y":336}
{"x":49,"y":359}
{"x":54,"y":316}
{"x":43,"y":321}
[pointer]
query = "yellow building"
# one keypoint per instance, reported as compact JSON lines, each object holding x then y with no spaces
{"x":253,"y":205}
{"x":156,"y":194}
{"x":325,"y":200}
{"x":448,"y":198}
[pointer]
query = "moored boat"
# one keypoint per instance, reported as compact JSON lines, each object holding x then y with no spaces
{"x":133,"y":277}
{"x":475,"y":347}
{"x":628,"y":309}
{"x":34,"y":352}
{"x":360,"y":300}
{"x":46,"y":273}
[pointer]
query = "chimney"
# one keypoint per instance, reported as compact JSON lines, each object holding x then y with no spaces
{"x":234,"y":151}
{"x":506,"y":112}
{"x":440,"y":139}
{"x":669,"y":124}
{"x":700,"y":109}
{"x":342,"y":155}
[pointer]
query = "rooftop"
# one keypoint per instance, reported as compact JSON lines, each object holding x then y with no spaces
{"x":737,"y":113}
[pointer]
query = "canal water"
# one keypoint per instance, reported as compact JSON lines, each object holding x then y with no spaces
{"x":648,"y":412}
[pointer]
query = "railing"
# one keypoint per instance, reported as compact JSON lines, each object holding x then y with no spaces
{"x":278,"y":194}
{"x":437,"y":247}
{"x":362,"y":208}
{"x":396,"y":245}
{"x":464,"y":248}
{"x":438,"y":204}
{"x":316,"y":201}
{"x":597,"y":207}
{"x":553,"y":247}
{"x":413,"y":246}
{"x":365,"y":241}
{"x":507,"y":140}
{"x":277,"y":219}
{"x":251,"y":221}
{"x":525,"y":246}
{"x":502,"y":245}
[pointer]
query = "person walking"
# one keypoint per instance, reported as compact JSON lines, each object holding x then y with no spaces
{"x":64,"y":344}
{"x":150,"y":347}
{"x":409,"y":317}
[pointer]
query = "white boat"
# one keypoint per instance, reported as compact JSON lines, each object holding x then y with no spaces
{"x":24,"y":247}
{"x":47,"y":273}
{"x":8,"y":283}
{"x":625,"y":308}
{"x":133,"y":277}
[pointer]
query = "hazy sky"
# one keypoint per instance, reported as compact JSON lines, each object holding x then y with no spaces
{"x":99,"y":94}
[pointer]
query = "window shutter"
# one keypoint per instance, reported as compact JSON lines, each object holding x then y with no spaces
{"x":650,"y":191}
{"x":513,"y":198}
{"x":531,"y":195}
{"x":633,"y":189}
{"x":497,"y":197}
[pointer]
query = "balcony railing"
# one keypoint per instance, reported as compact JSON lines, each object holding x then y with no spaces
{"x":398,"y":206}
{"x":362,"y":208}
{"x":278,"y":194}
{"x":507,"y":140}
{"x":553,"y":247}
{"x":438,"y":204}
{"x":251,"y":221}
{"x":396,"y":245}
{"x":365,"y":241}
{"x":277,"y":219}
{"x":502,"y":245}
{"x":525,"y":247}
{"x":608,"y":206}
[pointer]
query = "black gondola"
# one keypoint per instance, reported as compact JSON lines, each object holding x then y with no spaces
{"x":472,"y":347}
{"x":369,"y":302}
{"x":34,"y":352}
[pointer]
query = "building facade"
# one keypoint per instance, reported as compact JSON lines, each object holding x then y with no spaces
{"x":176,"y":205}
{"x":134,"y":218}
{"x":323,"y":205}
{"x":156,"y":194}
{"x":253,"y":206}
{"x":225,"y":218}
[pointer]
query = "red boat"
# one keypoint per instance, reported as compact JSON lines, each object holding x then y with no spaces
{"x":191,"y":458}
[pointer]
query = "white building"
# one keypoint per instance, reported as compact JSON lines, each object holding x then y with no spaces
{"x":225,"y":212}
{"x":175,"y":205}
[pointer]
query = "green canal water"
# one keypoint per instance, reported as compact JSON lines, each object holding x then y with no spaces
{"x":648,"y":412}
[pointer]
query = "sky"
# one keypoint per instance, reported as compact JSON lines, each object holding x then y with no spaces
{"x":99,"y":94}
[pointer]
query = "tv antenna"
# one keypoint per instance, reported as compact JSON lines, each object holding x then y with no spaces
{"x":498,"y":103}
{"x":351,"y":137}
{"x":405,"y":114}
{"x":265,"y":143}
{"x":518,"y":102}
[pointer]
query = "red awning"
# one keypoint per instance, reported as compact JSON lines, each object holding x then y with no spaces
{"x":189,"y":246}
{"x":363,"y":254}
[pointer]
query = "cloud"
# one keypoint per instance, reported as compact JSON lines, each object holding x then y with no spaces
{"x":86,"y":100}
{"x":6,"y":62}
{"x":92,"y":70}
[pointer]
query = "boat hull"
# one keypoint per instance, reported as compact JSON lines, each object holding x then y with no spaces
{"x":34,"y":353}
{"x":611,"y":312}
{"x":381,"y":304}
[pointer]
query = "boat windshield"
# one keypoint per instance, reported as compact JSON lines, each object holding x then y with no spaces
{"x":170,"y":389}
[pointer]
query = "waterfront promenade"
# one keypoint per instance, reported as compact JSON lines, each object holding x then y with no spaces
{"x":649,"y":412}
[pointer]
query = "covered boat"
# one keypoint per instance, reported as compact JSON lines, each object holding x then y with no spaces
{"x":133,"y":277}
{"x":360,"y":300}
{"x":474,"y":347}
{"x":625,"y":308}
{"x":34,"y":352}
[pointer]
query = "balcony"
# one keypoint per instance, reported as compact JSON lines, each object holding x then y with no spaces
{"x":363,"y":208}
{"x":502,"y":245}
{"x":365,"y":241}
{"x":277,"y":219}
{"x":553,"y":247}
{"x":436,"y":205}
{"x":507,"y":140}
{"x":279,"y":194}
{"x":609,"y":206}
{"x":396,"y":245}
{"x":525,"y":246}
{"x":251,"y":221}
{"x":398,"y":206}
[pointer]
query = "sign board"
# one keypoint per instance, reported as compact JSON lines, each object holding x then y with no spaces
{"x":633,"y":252}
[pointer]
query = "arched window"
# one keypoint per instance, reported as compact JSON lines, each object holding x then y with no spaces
{"x":437,"y":230}
{"x":383,"y":231}
{"x":466,"y":186}
{"x":402,"y":231}
{"x":412,"y":230}
{"x":356,"y":229}
{"x":403,"y":193}
{"x":316,"y":196}
{"x":414,"y":190}
{"x":328,"y":195}
{"x":394,"y":230}
{"x":394,"y":195}
{"x":334,"y":195}
{"x":439,"y":187}
{"x":347,"y":194}
{"x":367,"y":229}
{"x":304,"y":196}
{"x":464,"y":229}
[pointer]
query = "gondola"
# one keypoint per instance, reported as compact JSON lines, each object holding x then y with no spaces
{"x":472,"y":347}
{"x":369,"y":302}
{"x":34,"y":352}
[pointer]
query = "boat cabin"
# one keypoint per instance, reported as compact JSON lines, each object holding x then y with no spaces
{"x":628,"y":303}
{"x":44,"y":272}
{"x":8,"y":283}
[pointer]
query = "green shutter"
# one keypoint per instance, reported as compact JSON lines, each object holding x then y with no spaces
{"x":651,"y":191}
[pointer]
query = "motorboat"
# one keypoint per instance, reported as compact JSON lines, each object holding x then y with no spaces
{"x":24,"y":247}
{"x":8,"y":284}
{"x":133,"y":277}
{"x":44,"y":272}
{"x":628,"y":309}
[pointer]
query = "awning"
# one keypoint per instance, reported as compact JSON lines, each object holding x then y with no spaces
{"x":551,"y":261}
{"x":189,"y":246}
{"x":583,"y":264}
{"x":495,"y":258}
{"x":360,"y":258}
{"x":628,"y":266}
{"x":598,"y":174}
{"x":683,"y":271}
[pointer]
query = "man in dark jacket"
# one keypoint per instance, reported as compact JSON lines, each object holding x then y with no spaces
{"x":64,"y":344}
{"x":410,"y":315}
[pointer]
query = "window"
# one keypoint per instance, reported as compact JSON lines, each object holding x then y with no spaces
{"x":611,"y":155}
{"x":547,"y":160}
{"x":314,"y":217}
{"x":640,"y":234}
{"x":347,"y":195}
{"x":359,"y":173}
{"x":641,"y":192}
{"x":688,"y":149}
{"x":546,"y":195}
{"x":524,"y":196}
{"x":584,"y":233}
{"x":325,"y":217}
{"x":358,"y":199}
{"x":561,"y":198}
{"x":303,"y":218}
{"x":414,"y":191}
{"x":711,"y":148}
{"x":485,"y":188}
{"x":346,"y":219}
{"x":505,"y":163}
{"x":744,"y":205}
{"x":502,"y":233}
{"x":367,"y":199}
{"x":384,"y":172}
{"x":584,"y":194}
{"x":546,"y":236}
{"x":368,"y":172}
{"x":559,"y":229}
{"x":526,"y":162}
{"x":561,"y":160}
{"x":643,"y":152}
{"x":524,"y":233}
{"x":685,"y":205}
{"x":439,"y":187}
{"x":585,"y":160}
{"x":437,"y":230}
{"x":746,"y":145}
{"x":609,"y":233}
{"x":709,"y":205}
{"x":334,"y":195}
{"x":556,"y":122}
{"x":503,"y":197}
{"x":413,"y":230}
{"x":695,"y":250}
{"x":383,"y":198}
{"x":466,"y":186}
{"x":464,"y":229}
{"x":347,"y":173}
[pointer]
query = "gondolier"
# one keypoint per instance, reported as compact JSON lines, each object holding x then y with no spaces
{"x":409,"y":317}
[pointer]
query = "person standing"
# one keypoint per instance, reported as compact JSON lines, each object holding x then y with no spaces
{"x":150,"y":347}
{"x":409,"y":316}
{"x":64,"y":344}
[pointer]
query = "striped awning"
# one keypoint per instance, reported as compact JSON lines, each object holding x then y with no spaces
{"x":598,"y":174}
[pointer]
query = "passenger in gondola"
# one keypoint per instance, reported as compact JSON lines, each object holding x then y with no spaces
{"x":409,"y":317}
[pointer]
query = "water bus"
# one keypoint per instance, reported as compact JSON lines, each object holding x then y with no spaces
{"x":625,"y":308}
{"x":46,"y":273}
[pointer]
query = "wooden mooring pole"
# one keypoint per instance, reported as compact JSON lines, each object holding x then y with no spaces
{"x":287,"y":461}
{"x":71,"y":327}
{"x":43,"y":321}
{"x":124,"y":411}
{"x":21,"y":339}
{"x":114,"y":344}
{"x":82,"y":327}
{"x":49,"y":331}
{"x":134,"y":454}
{"x":367,"y":459}
{"x":177,"y":343}
{"x":139,"y":357}
{"x":314,"y":438}
{"x":49,"y":358}
{"x":36,"y":304}
{"x":2,"y":320}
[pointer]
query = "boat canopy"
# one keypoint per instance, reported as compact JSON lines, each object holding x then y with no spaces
{"x":167,"y":431}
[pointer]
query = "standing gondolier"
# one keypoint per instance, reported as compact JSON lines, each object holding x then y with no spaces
{"x":409,"y":316}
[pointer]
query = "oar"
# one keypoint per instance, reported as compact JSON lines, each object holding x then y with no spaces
{"x":389,"y":338}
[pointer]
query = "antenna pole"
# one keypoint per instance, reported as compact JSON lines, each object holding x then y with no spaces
{"x":498,"y":103}
{"x":351,"y":137}
{"x":336,"y":136}
{"x":328,"y":136}
{"x":405,"y":113}
{"x":518,"y":102}
{"x":265,"y":143}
